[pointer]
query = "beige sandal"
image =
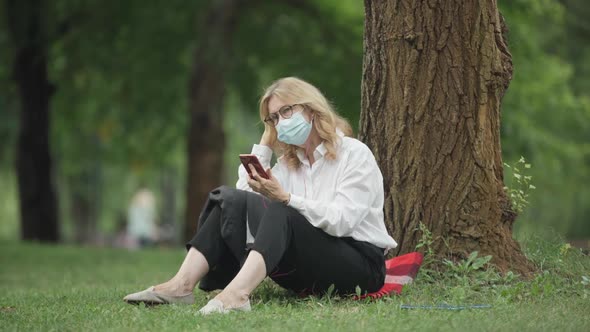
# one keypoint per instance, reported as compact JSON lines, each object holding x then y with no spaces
{"x":151,"y":297}
{"x":216,"y":306}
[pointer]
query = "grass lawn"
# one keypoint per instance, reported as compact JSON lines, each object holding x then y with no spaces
{"x":74,"y":288}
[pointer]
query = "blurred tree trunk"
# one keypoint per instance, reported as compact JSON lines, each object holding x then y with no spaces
{"x":83,"y":216}
{"x":84,"y":188}
{"x":168,"y":189}
{"x":37,"y":198}
{"x":434,"y":74}
{"x":206,"y":139}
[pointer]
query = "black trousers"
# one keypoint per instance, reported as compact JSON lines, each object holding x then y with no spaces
{"x":297,"y":255}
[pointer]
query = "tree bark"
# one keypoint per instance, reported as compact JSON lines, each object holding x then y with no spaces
{"x":206,"y":139}
{"x":37,"y":198}
{"x":434,"y":73}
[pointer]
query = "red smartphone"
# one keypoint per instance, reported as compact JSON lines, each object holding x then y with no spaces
{"x":251,"y":159}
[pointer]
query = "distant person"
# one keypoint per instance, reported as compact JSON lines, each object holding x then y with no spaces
{"x":318,"y":220}
{"x":141,"y":219}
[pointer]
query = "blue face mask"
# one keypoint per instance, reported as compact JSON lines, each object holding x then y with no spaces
{"x":294,"y":130}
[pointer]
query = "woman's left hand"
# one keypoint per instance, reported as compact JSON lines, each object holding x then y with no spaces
{"x":270,"y":188}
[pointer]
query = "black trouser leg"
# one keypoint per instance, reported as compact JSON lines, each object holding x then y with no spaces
{"x":297,"y":255}
{"x":300,"y":256}
{"x":223,"y":265}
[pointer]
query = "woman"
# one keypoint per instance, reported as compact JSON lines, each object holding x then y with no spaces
{"x":317,"y":222}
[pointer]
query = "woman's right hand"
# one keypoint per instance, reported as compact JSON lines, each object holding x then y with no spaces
{"x":266,"y":137}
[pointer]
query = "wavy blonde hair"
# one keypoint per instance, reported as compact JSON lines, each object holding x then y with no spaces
{"x":294,"y":90}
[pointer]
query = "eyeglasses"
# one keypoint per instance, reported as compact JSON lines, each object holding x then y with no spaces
{"x":286,"y":112}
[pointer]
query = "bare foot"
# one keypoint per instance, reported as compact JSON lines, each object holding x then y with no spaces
{"x":174,"y":287}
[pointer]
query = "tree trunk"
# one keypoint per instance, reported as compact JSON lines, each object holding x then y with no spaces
{"x":206,"y":139}
{"x":169,"y":224}
{"x":83,"y":217}
{"x":37,"y":198}
{"x":84,"y":188}
{"x":434,"y":73}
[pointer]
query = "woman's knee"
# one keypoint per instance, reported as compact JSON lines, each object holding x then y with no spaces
{"x":223,"y":190}
{"x":276,"y":214}
{"x":280,"y":209}
{"x":279,"y":213}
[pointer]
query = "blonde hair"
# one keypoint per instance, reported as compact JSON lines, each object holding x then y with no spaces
{"x":326,"y":120}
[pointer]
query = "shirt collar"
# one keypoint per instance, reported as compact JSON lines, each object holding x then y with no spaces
{"x":320,"y":150}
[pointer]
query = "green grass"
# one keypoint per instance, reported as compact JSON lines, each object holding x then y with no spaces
{"x":73,"y":288}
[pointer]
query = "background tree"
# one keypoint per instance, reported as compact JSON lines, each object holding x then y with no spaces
{"x":34,"y":166}
{"x":264,"y":54}
{"x":433,"y":79}
{"x":207,"y":88}
{"x":574,"y":17}
{"x":121,"y":109}
{"x":119,"y":114}
{"x":546,"y":118}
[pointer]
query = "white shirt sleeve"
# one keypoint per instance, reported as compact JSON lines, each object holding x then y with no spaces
{"x":355,"y":192}
{"x":264,"y":154}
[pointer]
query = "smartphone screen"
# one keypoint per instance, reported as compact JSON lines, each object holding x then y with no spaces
{"x":251,"y":159}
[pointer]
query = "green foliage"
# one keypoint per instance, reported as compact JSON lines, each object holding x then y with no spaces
{"x":121,"y":71}
{"x":358,"y":291}
{"x":122,"y":87}
{"x":519,"y":192}
{"x":425,"y":245}
{"x":330,"y":291}
{"x":8,"y":207}
{"x":463,"y":269}
{"x":562,"y":273}
{"x":577,"y":48}
{"x":319,"y":42}
{"x":466,"y":270}
{"x":545,"y":119}
{"x":82,"y":289}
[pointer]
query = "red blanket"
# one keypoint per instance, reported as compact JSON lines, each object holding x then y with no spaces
{"x":400,"y":270}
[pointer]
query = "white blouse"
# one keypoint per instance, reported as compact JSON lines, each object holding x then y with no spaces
{"x":343,"y":197}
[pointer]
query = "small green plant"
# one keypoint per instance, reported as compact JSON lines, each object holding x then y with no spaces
{"x":330,"y":291}
{"x":425,"y":242}
{"x":519,"y":193}
{"x":358,"y":291}
{"x":586,"y":285}
{"x":465,"y":267}
{"x":564,"y":249}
